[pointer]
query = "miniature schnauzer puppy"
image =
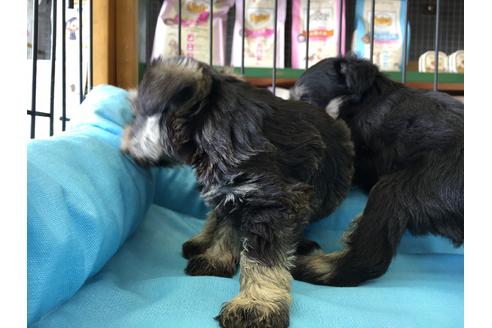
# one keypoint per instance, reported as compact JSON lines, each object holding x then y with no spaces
{"x":408,"y":155}
{"x":266,"y":166}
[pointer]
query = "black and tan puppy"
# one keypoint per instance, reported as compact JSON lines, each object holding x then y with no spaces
{"x":266,"y":166}
{"x":409,"y":155}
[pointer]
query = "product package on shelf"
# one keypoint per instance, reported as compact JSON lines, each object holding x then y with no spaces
{"x":259,"y":33}
{"x":195,"y":29}
{"x":389,"y":32}
{"x":457,"y":62}
{"x":324,"y":27}
{"x":427,"y":62}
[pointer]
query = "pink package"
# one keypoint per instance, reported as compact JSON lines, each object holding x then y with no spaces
{"x":259,"y":37}
{"x":324,"y":28}
{"x":195,"y":28}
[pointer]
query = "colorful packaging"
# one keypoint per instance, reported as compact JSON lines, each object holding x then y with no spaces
{"x":195,"y":29}
{"x":389,"y":32}
{"x":427,"y":63}
{"x":259,"y":25}
{"x":457,"y":62}
{"x":324,"y":25}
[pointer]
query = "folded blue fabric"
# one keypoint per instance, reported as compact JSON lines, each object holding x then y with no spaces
{"x":177,"y":190}
{"x":85,"y":198}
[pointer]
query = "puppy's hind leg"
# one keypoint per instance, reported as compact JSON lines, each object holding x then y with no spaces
{"x":221,"y":256}
{"x":370,"y":244}
{"x":199,"y":243}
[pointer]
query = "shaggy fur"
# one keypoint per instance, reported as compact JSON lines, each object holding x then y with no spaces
{"x":409,"y":156}
{"x":266,"y":166}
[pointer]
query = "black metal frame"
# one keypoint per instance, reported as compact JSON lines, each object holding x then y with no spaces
{"x":33,"y":112}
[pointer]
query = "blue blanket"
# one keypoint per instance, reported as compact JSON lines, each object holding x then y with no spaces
{"x":105,"y":236}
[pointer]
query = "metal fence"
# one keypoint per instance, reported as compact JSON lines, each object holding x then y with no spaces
{"x":34,"y":113}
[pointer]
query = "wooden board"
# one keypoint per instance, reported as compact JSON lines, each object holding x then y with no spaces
{"x":116,"y":42}
{"x":103,"y":41}
{"x":126,"y":43}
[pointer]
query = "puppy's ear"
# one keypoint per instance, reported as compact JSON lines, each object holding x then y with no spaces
{"x":189,"y":98}
{"x":181,"y":132}
{"x":186,"y":107}
{"x":359,"y":74}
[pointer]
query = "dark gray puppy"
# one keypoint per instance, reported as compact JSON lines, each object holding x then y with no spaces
{"x":266,"y":166}
{"x":409,"y":156}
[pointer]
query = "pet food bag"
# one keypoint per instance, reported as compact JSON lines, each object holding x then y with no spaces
{"x":389,"y":32}
{"x":427,"y":62}
{"x":259,"y":29}
{"x":324,"y":26}
{"x":195,"y":29}
{"x":457,"y":62}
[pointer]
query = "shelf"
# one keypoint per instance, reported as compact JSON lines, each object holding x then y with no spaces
{"x":286,"y":77}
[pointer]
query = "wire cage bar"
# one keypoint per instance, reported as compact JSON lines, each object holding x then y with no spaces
{"x":373,"y":19}
{"x":340,"y":17}
{"x":53,"y":66}
{"x":308,"y":18}
{"x":64,"y":68}
{"x":91,"y":45}
{"x":180,"y":16}
{"x":81,"y":56}
{"x":405,"y":47}
{"x":275,"y":33}
{"x":211,"y":34}
{"x":32,"y":112}
{"x":243,"y":34}
{"x":436,"y":54}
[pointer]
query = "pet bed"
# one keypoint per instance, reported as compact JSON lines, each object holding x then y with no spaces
{"x":105,"y":236}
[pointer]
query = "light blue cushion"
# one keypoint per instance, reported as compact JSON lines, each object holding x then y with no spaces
{"x":85,"y":198}
{"x":177,"y":190}
{"x":144,"y":285}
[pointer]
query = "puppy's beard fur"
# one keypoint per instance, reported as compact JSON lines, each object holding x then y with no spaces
{"x":297,"y":91}
{"x":147,"y":143}
{"x":333,"y":107}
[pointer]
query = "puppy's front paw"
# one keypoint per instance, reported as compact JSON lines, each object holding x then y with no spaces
{"x":193,"y":248}
{"x":203,"y":265}
{"x":247,"y":313}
